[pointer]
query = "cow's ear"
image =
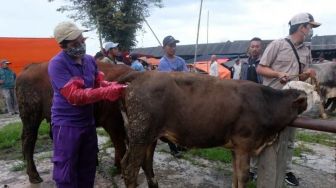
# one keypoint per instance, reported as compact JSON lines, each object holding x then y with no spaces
{"x":300,"y":103}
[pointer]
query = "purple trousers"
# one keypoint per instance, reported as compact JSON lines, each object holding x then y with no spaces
{"x":75,"y":156}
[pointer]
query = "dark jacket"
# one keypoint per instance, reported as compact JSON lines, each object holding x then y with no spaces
{"x":247,"y":66}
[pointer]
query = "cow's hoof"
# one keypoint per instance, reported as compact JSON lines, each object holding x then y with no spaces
{"x":35,"y":180}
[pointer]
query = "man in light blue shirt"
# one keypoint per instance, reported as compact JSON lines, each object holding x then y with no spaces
{"x":170,"y":62}
{"x":136,"y":65}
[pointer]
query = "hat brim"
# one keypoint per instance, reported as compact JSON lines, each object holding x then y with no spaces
{"x":107,"y":48}
{"x":172,"y":42}
{"x":315,"y":24}
{"x":75,"y":34}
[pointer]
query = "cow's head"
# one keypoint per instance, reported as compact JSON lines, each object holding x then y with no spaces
{"x":300,"y":101}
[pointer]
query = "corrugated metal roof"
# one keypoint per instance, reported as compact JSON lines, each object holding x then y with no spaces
{"x":326,"y":42}
{"x":239,"y":47}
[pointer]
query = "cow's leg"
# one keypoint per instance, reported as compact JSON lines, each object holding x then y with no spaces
{"x":242,"y":167}
{"x":147,"y":166}
{"x":114,"y":126}
{"x":28,"y":138}
{"x":131,"y":162}
{"x":332,"y":104}
{"x":234,"y":168}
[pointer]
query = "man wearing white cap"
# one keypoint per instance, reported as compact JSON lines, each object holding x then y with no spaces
{"x":77,"y":84}
{"x":288,"y":59}
{"x":112,"y":51}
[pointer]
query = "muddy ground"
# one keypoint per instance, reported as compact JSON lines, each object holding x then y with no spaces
{"x":317,"y":170}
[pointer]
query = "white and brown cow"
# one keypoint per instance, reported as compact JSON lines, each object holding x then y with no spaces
{"x":326,"y":76}
{"x":198,"y":111}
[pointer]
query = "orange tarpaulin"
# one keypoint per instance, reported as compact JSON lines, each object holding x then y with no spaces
{"x":224,"y":73}
{"x":23,"y":51}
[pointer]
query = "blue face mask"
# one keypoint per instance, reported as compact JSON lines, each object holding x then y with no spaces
{"x":76,"y":52}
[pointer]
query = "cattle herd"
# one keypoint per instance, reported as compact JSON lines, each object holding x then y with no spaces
{"x":192,"y":110}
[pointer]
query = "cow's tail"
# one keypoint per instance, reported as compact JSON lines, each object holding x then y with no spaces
{"x":129,"y":77}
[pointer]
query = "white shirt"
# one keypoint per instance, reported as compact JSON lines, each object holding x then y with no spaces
{"x":214,"y":69}
{"x":237,"y":69}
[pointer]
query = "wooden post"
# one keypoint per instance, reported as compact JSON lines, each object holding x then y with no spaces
{"x":272,"y":162}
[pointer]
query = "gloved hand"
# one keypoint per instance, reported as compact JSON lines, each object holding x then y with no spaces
{"x":100,"y":81}
{"x":74,"y":92}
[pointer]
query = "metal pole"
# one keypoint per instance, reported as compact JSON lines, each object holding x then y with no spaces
{"x":206,"y":50}
{"x":99,"y":34}
{"x":199,"y":20}
{"x":151,"y":30}
{"x":315,"y":124}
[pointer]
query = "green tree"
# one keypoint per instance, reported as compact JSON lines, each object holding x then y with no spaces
{"x":117,"y":20}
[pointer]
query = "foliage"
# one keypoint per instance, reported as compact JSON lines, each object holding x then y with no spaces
{"x":10,"y":140}
{"x":301,"y":148}
{"x":18,"y":167}
{"x":9,"y":135}
{"x":327,"y":139}
{"x":214,"y":154}
{"x":102,"y":132}
{"x":117,"y":20}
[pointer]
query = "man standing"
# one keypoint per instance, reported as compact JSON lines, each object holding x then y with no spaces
{"x":214,"y":66}
{"x":7,"y":82}
{"x":286,"y":59}
{"x":236,"y":69}
{"x":170,"y":62}
{"x":248,"y":72}
{"x":77,"y":84}
{"x":135,"y":63}
{"x":112,"y":51}
{"x":248,"y":67}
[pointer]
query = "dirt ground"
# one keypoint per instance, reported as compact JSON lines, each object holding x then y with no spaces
{"x":316,"y":170}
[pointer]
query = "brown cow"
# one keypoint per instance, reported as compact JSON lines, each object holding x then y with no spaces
{"x":34,"y":95}
{"x":198,"y":111}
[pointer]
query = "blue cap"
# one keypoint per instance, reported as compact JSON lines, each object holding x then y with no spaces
{"x":169,"y":40}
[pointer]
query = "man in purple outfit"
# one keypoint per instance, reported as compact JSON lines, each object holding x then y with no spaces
{"x":77,"y":84}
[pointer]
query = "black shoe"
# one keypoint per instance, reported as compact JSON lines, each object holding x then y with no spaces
{"x":252,"y":176}
{"x":180,"y":148}
{"x":291,"y":179}
{"x":176,"y":154}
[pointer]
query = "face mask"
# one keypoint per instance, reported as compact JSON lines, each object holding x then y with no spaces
{"x":307,"y":37}
{"x":76,"y":52}
{"x":310,"y":34}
